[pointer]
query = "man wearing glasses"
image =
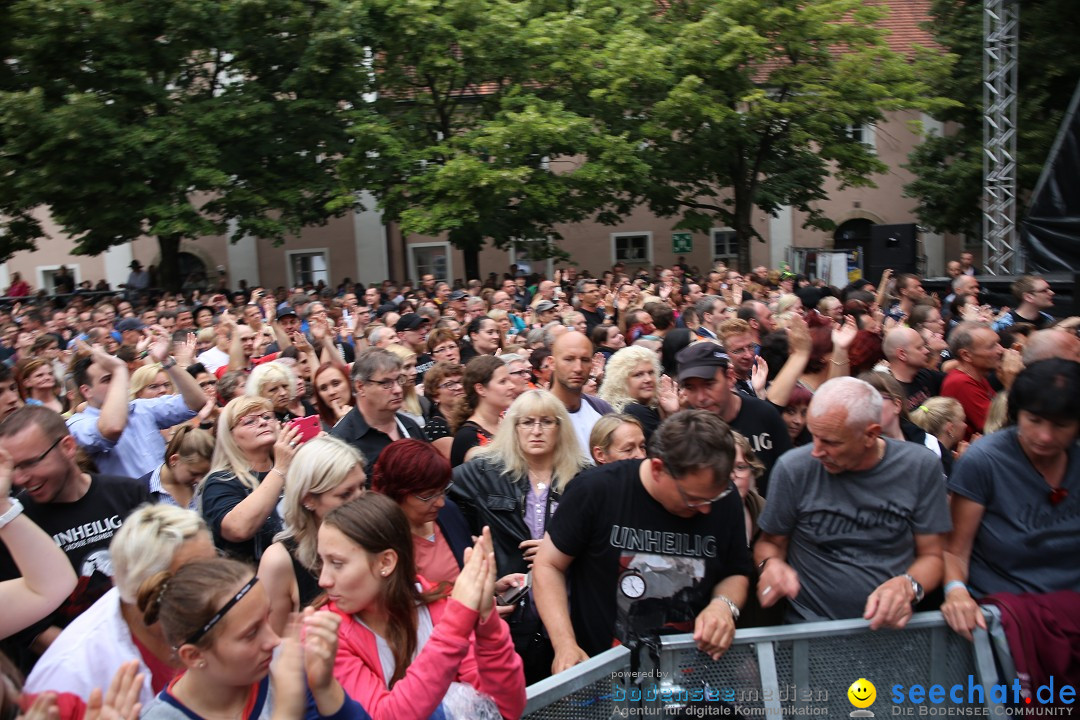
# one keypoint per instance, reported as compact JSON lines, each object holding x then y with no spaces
{"x":648,"y":545}
{"x":80,"y":511}
{"x":854,"y":521}
{"x":374,"y":422}
{"x":1034,"y":298}
{"x":707,"y":380}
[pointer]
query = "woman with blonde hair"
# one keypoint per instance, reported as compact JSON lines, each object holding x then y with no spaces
{"x":111,"y":632}
{"x":187,"y":460}
{"x":247,"y":477}
{"x":278,"y":383}
{"x":325,"y":473}
{"x":944,"y":418}
{"x":410,"y":399}
{"x":37,"y":383}
{"x":149,"y":382}
{"x":632,"y":385}
{"x":535,"y":453}
{"x":617,"y":437}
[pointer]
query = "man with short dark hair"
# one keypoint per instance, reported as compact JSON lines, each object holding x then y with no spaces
{"x":1034,"y":297}
{"x":710,"y":311}
{"x":80,"y":511}
{"x":374,"y":422}
{"x":854,"y":522}
{"x":647,"y":545}
{"x":909,"y":290}
{"x":588,"y":292}
{"x":707,"y":380}
{"x":759,"y":316}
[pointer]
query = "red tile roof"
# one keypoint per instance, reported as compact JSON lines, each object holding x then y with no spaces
{"x":904,"y":22}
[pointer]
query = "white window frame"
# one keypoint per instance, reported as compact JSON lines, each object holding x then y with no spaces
{"x":40,"y":271}
{"x":869,"y":135}
{"x":289,"y":254}
{"x":647,"y":260}
{"x":731,"y":260}
{"x":414,"y":273}
{"x":549,"y":264}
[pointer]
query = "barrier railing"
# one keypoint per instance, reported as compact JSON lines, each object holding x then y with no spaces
{"x":782,"y":671}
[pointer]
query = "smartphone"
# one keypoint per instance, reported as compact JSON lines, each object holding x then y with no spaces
{"x":308,"y":427}
{"x":511,"y":596}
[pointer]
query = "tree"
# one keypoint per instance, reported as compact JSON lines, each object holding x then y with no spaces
{"x":459,"y":137}
{"x":756,"y":107}
{"x":949,"y":169}
{"x":173,"y":119}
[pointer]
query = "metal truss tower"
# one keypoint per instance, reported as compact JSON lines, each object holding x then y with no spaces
{"x":1001,"y":243}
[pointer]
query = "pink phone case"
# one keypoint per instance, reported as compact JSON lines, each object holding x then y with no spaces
{"x":308,"y":426}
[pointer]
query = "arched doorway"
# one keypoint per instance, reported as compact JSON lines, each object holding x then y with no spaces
{"x":853,"y":234}
{"x":192,"y":272}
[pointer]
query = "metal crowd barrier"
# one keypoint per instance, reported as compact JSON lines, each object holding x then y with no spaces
{"x":776,"y":672}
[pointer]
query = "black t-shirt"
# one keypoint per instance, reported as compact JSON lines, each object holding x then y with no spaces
{"x":592,"y":319}
{"x":468,"y":436}
{"x":222,"y":492}
{"x":761,"y":424}
{"x":637,"y":568}
{"x":925,"y":384}
{"x":83,"y":529}
{"x":647,"y":416}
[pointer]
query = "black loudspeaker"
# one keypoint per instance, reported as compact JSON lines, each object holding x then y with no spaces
{"x":892,"y":246}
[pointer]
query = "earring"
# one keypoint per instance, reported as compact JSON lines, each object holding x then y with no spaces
{"x":309,"y":508}
{"x":202,"y":665}
{"x":384,"y":573}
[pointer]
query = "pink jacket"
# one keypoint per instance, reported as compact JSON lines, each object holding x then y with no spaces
{"x":487,"y":662}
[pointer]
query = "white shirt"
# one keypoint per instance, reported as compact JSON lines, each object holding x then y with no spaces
{"x":583,"y":420}
{"x":213,"y":359}
{"x":88,"y":653}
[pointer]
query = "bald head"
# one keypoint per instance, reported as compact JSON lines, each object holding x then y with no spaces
{"x":571,"y":340}
{"x":571,"y":360}
{"x":896,"y":339}
{"x":1052,"y":343}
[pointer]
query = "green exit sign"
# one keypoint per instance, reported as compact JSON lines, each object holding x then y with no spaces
{"x":682,"y":243}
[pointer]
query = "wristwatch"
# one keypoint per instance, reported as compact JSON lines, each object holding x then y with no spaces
{"x":917,"y":588}
{"x":168,"y":363}
{"x":733,"y":607}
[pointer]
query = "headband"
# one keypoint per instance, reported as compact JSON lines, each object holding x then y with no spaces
{"x":199,"y":634}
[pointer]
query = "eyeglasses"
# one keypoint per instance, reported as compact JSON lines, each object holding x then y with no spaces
{"x":443,"y":349}
{"x":451,"y":385}
{"x":31,"y":464}
{"x":520,"y":373}
{"x":435,"y":495}
{"x":252,"y":420}
{"x":531,"y":423}
{"x":695,"y":504}
{"x":402,"y":380}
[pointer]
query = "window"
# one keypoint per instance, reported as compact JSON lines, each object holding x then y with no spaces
{"x":533,"y":255}
{"x":725,"y":246}
{"x":308,"y":266}
{"x":631,"y":248}
{"x":46,"y":277}
{"x":431,"y":258}
{"x":866,"y":134}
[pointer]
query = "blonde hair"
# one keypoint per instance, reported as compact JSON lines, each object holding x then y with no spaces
{"x":267,"y":373}
{"x":227,"y":454}
{"x":997,"y":416}
{"x":146,"y":543}
{"x":319,"y":466}
{"x":935,"y":412}
{"x":410,"y":401}
{"x":617,"y":372}
{"x":142,"y":377}
{"x":505,"y":448}
{"x":604,"y":430}
{"x":190,"y":443}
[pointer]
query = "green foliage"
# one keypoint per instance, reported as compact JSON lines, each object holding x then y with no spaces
{"x":172,"y":119}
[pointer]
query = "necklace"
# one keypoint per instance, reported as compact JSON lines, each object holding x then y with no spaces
{"x":540,"y":481}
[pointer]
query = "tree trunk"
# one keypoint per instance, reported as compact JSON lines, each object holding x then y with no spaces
{"x":744,"y":234}
{"x":168,"y":270}
{"x":472,"y":265}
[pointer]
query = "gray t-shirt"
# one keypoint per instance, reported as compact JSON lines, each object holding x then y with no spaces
{"x":1025,"y":543}
{"x":850,"y":532}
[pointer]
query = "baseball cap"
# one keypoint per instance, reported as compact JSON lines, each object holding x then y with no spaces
{"x":545,"y":305}
{"x":459,"y":295}
{"x":410,"y":321}
{"x":700,"y":360}
{"x":285,"y":311}
{"x":130,"y":324}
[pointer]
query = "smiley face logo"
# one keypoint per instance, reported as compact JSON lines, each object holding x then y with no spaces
{"x":862,"y":693}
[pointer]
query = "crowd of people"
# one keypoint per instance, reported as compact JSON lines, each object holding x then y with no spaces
{"x":411,"y":501}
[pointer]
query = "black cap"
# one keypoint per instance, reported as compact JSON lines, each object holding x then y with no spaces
{"x":700,"y":360}
{"x":285,"y":311}
{"x":410,"y":321}
{"x":459,"y":295}
{"x":130,"y":324}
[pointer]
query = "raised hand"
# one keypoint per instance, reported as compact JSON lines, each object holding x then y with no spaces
{"x":844,"y":335}
{"x":121,"y":700}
